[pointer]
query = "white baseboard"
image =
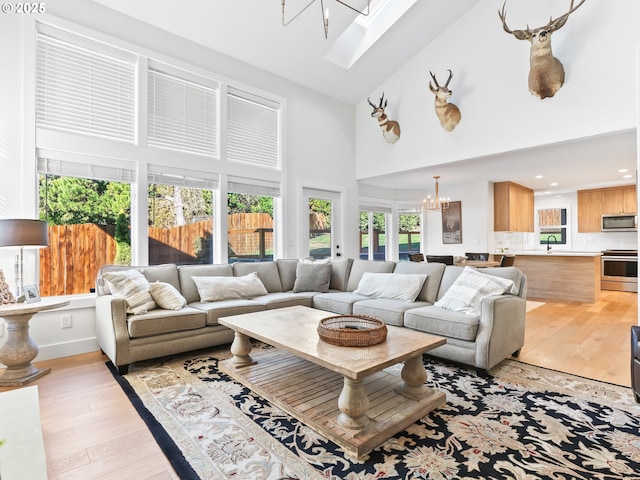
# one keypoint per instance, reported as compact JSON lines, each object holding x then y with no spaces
{"x":66,"y":349}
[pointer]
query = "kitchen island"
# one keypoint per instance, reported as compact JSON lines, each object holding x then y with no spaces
{"x":561,"y":275}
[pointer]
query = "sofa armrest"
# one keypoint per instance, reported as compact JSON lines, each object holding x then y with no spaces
{"x":501,"y":329}
{"x":111,"y":328}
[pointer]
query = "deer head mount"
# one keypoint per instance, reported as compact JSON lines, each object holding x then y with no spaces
{"x":546,"y":73}
{"x":448,"y":113}
{"x":390,"y":128}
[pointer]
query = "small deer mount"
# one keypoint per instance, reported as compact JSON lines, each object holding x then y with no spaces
{"x":390,"y":128}
{"x":448,"y":113}
{"x":546,"y":73}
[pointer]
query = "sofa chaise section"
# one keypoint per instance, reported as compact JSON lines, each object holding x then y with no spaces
{"x":482,"y":341}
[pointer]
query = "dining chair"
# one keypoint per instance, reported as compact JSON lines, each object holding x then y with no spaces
{"x":416,"y":257}
{"x":507,"y":260}
{"x":446,"y":259}
{"x":477,"y":256}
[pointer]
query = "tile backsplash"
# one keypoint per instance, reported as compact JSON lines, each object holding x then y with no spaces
{"x":587,"y":242}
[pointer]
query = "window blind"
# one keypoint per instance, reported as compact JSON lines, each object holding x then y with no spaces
{"x":252,"y":129}
{"x":177,"y":178}
{"x":182,"y":113}
{"x":249,"y":187}
{"x":85,"y":87}
{"x":65,"y":168}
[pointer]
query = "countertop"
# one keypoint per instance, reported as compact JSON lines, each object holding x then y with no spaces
{"x":557,"y":253}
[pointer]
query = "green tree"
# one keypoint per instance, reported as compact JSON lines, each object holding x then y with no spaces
{"x":379,"y":221}
{"x":241,"y":203}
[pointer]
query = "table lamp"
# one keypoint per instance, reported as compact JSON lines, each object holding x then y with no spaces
{"x":22,"y":233}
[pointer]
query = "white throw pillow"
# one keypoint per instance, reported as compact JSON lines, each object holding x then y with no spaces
{"x":213,"y":289}
{"x":167,"y":296}
{"x":133,"y":287}
{"x":395,"y":286}
{"x":470,"y":288}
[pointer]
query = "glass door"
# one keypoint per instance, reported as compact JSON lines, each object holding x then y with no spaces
{"x":323,"y":220}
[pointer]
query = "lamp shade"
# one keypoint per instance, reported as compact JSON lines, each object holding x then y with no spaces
{"x":15,"y":232}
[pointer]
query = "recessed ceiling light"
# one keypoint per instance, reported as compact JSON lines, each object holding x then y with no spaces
{"x":554,"y":184}
{"x":627,"y":176}
{"x":623,"y":170}
{"x":539,"y":176}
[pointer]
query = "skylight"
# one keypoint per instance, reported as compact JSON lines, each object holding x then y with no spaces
{"x":364,"y":32}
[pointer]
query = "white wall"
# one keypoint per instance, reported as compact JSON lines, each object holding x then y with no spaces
{"x":597,"y":47}
{"x":319,"y":147}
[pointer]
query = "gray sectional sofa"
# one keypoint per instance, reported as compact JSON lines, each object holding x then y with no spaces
{"x":483,"y":338}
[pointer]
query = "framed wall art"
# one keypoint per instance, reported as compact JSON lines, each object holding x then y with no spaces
{"x":452,"y":223}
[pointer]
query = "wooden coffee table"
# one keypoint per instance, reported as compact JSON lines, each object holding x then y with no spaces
{"x":341,"y":392}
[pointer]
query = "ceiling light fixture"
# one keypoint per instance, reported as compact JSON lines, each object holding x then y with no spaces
{"x":325,"y":13}
{"x":440,"y":203}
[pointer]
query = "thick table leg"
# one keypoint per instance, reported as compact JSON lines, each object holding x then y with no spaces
{"x":353,"y":403}
{"x":18,"y":352}
{"x":414,"y":375}
{"x":240,"y":348}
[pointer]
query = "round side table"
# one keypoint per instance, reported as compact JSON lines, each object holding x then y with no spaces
{"x":20,"y":349}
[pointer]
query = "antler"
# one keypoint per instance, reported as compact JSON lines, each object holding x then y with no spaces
{"x":552,"y":26}
{"x":559,"y":22}
{"x":519,"y":34}
{"x":448,"y":79}
{"x":381,"y":99}
{"x":371,"y":103}
{"x":434,"y":78}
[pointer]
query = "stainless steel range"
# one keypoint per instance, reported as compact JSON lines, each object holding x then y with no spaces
{"x":620,"y":270}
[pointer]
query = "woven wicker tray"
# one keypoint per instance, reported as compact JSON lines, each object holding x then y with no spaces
{"x":352,"y":330}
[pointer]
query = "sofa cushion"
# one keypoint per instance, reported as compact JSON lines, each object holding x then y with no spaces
{"x":284,"y":299}
{"x":387,"y":310}
{"x":133,"y":286}
{"x":338,"y":302}
{"x":312,"y":277}
{"x":213,"y":289}
{"x":226,"y":308}
{"x":187,"y":285}
{"x":267,"y":272}
{"x":434,"y":272}
{"x":396,"y":286}
{"x":442,"y":322}
{"x":359,"y":267}
{"x":509,"y":273}
{"x":340,"y":270}
{"x":158,"y":322}
{"x":287,"y":272}
{"x":167,"y":296}
{"x":470,"y":288}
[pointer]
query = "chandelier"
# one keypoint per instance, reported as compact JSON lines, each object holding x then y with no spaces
{"x":439,"y":203}
{"x":325,"y":13}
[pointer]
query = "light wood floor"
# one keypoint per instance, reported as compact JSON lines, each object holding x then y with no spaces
{"x":91,"y":431}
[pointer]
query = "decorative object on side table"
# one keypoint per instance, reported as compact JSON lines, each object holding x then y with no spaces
{"x":352,"y":330}
{"x":18,"y":232}
{"x":31,"y":294}
{"x":6,"y":296}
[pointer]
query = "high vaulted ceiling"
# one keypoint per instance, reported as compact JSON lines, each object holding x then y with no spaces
{"x":252,"y":31}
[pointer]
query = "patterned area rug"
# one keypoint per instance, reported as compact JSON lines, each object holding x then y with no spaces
{"x":522,"y":422}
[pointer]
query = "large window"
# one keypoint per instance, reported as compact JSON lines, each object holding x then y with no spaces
{"x":250,"y":221}
{"x":89,"y":220}
{"x":87,"y":94}
{"x":180,"y":219}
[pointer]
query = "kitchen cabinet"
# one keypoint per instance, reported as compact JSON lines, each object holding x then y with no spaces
{"x":512,"y":208}
{"x":593,"y":203}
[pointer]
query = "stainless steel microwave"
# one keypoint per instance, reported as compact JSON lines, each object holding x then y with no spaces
{"x":621,"y":222}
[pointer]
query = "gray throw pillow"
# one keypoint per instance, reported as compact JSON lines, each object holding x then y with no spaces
{"x":312,"y":277}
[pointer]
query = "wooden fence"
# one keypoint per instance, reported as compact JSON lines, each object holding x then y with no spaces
{"x":76,"y":252}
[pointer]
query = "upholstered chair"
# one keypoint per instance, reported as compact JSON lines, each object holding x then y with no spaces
{"x":635,"y":361}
